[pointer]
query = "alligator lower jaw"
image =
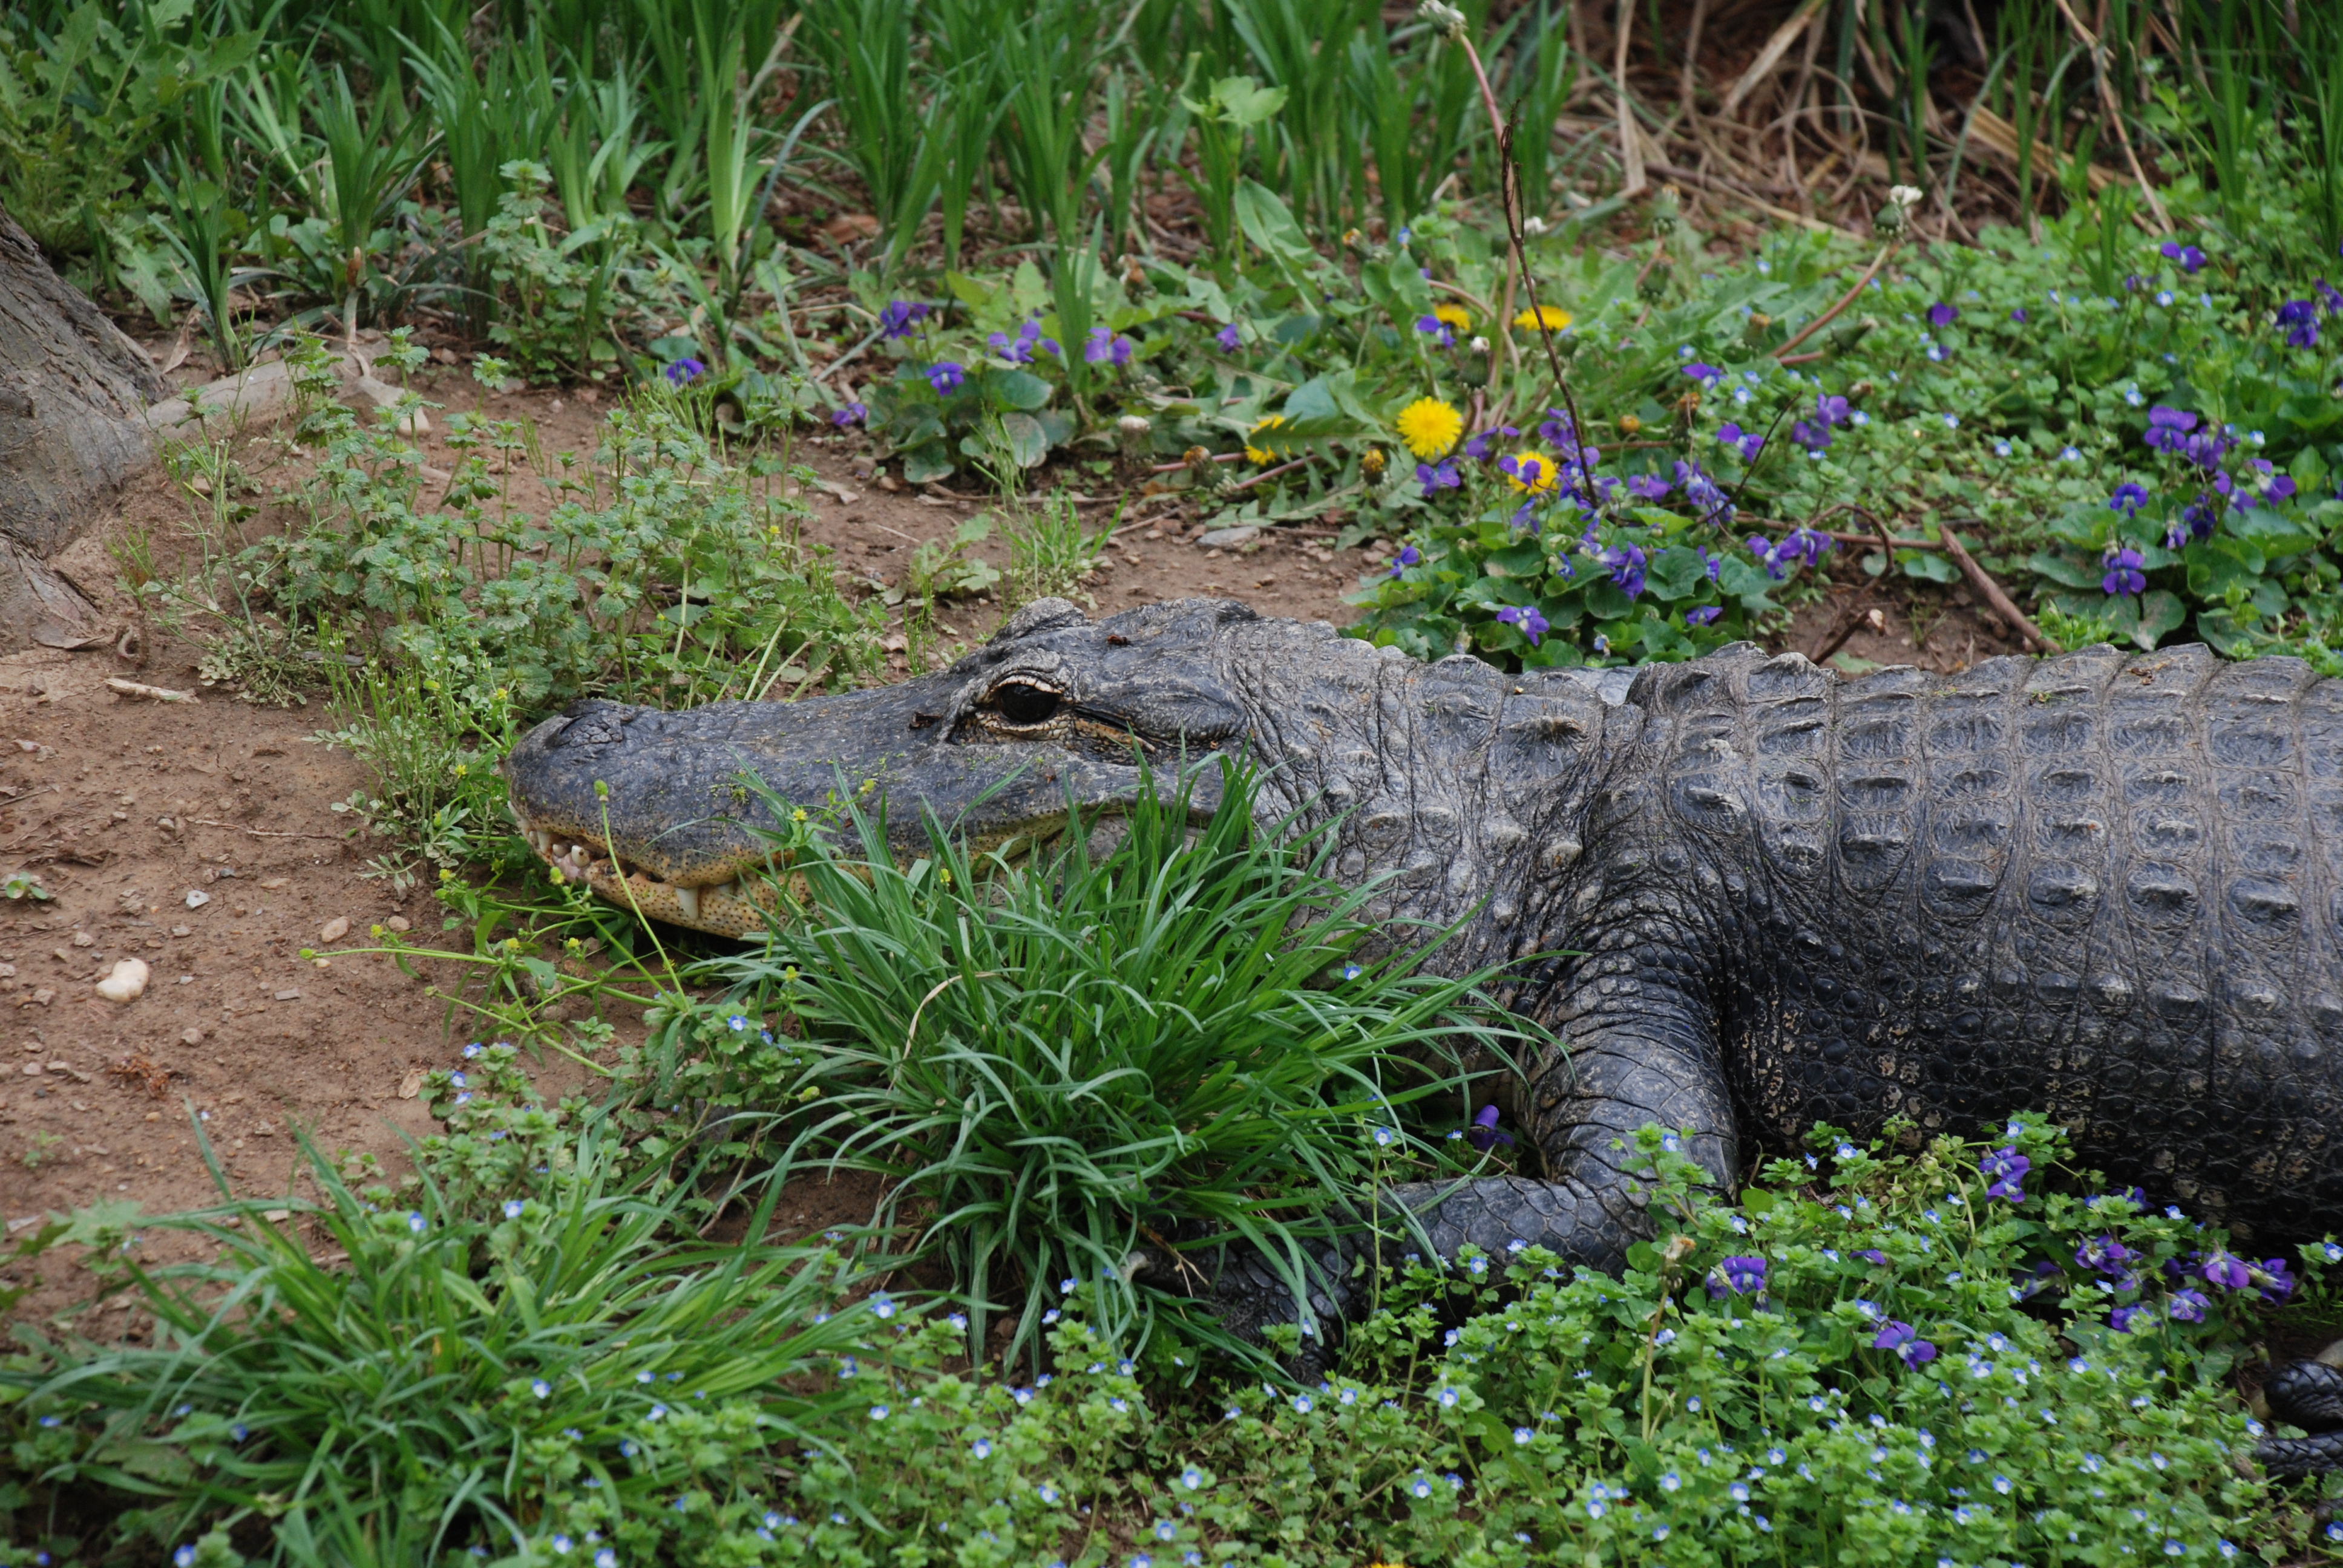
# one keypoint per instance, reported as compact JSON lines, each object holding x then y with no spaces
{"x":735,"y":908}
{"x":739,"y":907}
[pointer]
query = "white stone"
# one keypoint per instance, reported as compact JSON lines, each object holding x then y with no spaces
{"x":126,"y":984}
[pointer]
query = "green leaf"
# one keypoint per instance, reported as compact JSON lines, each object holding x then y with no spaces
{"x":2160,"y":613}
{"x":2063,"y":567}
{"x":1028,"y":444}
{"x":1266,"y":220}
{"x":926,"y":463}
{"x":1928,"y":566}
{"x":1020,"y":389}
{"x":1245,"y":103}
{"x":1678,"y":573}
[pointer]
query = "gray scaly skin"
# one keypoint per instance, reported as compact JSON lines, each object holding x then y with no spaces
{"x":2103,"y":886}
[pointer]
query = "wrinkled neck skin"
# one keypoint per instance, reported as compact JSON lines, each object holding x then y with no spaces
{"x":1460,"y":791}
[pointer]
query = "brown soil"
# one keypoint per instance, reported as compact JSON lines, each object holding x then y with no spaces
{"x":199,"y":837}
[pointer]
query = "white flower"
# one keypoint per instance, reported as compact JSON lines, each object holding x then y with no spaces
{"x":1449,"y":20}
{"x":1905,"y":197}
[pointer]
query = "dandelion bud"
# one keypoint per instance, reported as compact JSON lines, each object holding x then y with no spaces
{"x":1133,"y":425}
{"x":1629,"y":426}
{"x":1373,"y":463}
{"x":1447,"y":18}
{"x":1480,"y":345}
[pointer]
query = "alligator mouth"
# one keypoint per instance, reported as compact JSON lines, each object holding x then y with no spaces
{"x":739,"y":905}
{"x":736,"y":906}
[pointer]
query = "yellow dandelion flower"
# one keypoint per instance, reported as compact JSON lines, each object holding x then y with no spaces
{"x":1455,"y":316}
{"x":1548,"y":317}
{"x":1430,"y":426}
{"x":1532,"y":471}
{"x":1262,"y":454}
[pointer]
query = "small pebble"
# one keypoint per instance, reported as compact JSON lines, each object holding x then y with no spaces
{"x":126,"y":984}
{"x":397,"y":923}
{"x":196,"y":901}
{"x":335,"y":930}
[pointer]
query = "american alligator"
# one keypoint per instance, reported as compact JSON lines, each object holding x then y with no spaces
{"x":2101,"y":885}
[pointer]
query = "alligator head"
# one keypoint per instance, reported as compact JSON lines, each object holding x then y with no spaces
{"x":1058,"y":711}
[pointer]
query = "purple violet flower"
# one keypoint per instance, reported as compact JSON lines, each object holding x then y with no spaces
{"x":2007,"y":1168}
{"x":1748,"y":443}
{"x":2226,"y":1269}
{"x":1874,"y":1256}
{"x":684,"y":371}
{"x":1439,"y":331}
{"x":1649,"y":487}
{"x":896,"y":320}
{"x":1941,"y":316}
{"x":1534,"y":627}
{"x":2120,"y":1319}
{"x":1738,"y":1276}
{"x":2018,"y":315}
{"x":1409,"y":555}
{"x":1703,"y":615}
{"x":2127,"y":499}
{"x":1812,"y":437}
{"x":1708,"y":375}
{"x":851,"y":414}
{"x":1437,"y":477}
{"x":2124,"y":575}
{"x":1228,"y":337}
{"x":2188,"y":257}
{"x":1106,"y":346}
{"x":2189,"y":1306}
{"x":945,"y":375}
{"x":2275,"y":1278}
{"x":1831,"y":409}
{"x":1484,"y":1134}
{"x":1905,"y":1342}
{"x":2301,"y":318}
{"x":1627,"y":566}
{"x":2104,"y":1253}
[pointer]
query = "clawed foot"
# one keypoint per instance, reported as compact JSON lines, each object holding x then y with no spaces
{"x":1250,"y":1297}
{"x":2308,"y":1394}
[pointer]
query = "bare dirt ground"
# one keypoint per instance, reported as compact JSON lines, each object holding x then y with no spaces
{"x":199,"y":837}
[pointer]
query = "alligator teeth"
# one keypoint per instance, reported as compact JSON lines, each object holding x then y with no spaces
{"x":688,"y":898}
{"x":728,"y":889}
{"x":542,"y":840}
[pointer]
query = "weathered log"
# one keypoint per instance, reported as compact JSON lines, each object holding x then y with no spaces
{"x":73,"y":391}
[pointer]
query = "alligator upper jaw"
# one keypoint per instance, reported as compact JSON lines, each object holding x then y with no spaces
{"x":694,"y":803}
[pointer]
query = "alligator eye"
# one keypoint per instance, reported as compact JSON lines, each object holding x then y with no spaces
{"x":1022,"y":703}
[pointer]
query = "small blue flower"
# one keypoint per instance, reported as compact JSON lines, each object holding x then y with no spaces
{"x":563,"y":1544}
{"x":1522,"y":1437}
{"x":1421,"y":1486}
{"x":513,"y":1207}
{"x":878,"y":1412}
{"x":542,"y":1389}
{"x":418,"y":1224}
{"x":1046,"y":1492}
{"x":1192,"y":1478}
{"x":184,"y":1557}
{"x":981,"y":1448}
{"x":882,"y":1305}
{"x":685,"y":371}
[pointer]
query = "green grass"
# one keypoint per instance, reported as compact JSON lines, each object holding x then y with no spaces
{"x":1057,"y":1065}
{"x":369,"y":1373}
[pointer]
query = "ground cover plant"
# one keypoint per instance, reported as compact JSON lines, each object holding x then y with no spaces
{"x":1891,"y":1353}
{"x":2062,"y":322}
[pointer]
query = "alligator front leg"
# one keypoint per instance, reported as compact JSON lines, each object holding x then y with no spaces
{"x":1645,"y":1056}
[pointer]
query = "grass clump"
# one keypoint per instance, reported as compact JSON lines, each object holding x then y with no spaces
{"x":519,"y":1345}
{"x":1195,"y":1032}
